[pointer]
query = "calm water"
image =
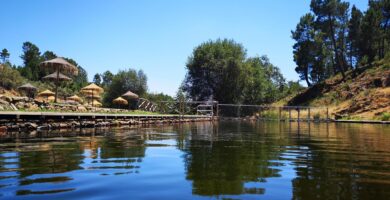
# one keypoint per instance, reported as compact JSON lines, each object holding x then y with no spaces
{"x":233,"y":160}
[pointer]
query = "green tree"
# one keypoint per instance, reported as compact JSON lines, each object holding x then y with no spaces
{"x":354,"y":35}
{"x":332,"y":20}
{"x":293,"y":87}
{"x":305,"y":46}
{"x":107,"y":77}
{"x":263,"y":83}
{"x":4,"y":55}
{"x":31,"y":59}
{"x":216,"y":71}
{"x":48,"y":55}
{"x":124,"y":81}
{"x":10,"y":78}
{"x":371,"y":32}
{"x":80,"y":80}
{"x":97,"y":79}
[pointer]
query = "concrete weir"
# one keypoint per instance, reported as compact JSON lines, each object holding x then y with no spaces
{"x":29,"y":121}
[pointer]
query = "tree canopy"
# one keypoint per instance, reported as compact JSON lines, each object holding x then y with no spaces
{"x":333,"y":38}
{"x":220,"y":70}
{"x":123,"y":81}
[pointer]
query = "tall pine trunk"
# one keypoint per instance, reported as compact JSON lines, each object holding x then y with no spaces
{"x":339,"y":64}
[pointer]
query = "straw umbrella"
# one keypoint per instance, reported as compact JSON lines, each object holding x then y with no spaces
{"x":56,"y":77}
{"x":96,"y":103}
{"x":75,"y":98}
{"x":120,"y":101}
{"x":130,"y":96}
{"x":53,"y":77}
{"x":50,"y":98}
{"x":91,"y":90}
{"x":59,"y":64}
{"x":47,"y":94}
{"x":28,"y":88}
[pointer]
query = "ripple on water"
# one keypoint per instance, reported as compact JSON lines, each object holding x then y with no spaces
{"x":237,"y":160}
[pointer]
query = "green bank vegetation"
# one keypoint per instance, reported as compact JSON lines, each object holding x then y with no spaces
{"x":12,"y":76}
{"x":341,"y":53}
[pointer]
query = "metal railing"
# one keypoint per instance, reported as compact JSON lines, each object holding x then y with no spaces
{"x":291,"y":113}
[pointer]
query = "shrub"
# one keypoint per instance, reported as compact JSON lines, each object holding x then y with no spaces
{"x":385,"y":116}
{"x":317,"y":117}
{"x":10,"y":78}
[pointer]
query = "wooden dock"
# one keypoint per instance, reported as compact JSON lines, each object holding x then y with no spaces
{"x":362,"y":121}
{"x":91,"y":116}
{"x":29,"y":121}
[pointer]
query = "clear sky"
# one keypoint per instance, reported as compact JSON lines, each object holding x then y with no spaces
{"x":156,"y":36}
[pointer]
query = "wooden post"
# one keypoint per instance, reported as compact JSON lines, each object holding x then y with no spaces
{"x":289,"y":114}
{"x":217,"y":110}
{"x":298,"y":109}
{"x":327,"y":114}
{"x":280,"y":113}
{"x":308,"y":114}
{"x":57,"y":80}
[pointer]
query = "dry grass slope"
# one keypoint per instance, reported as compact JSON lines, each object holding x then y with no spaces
{"x":364,"y":94}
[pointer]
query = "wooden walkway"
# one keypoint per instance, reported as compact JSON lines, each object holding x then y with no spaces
{"x":92,"y":116}
{"x":362,"y":121}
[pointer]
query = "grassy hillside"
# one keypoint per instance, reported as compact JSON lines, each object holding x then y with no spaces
{"x":364,"y":94}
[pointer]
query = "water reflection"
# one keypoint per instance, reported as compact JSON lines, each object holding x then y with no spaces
{"x":222,"y":164}
{"x":237,"y":160}
{"x":48,"y":159}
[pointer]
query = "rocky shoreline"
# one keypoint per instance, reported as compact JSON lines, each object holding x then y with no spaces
{"x":17,"y":103}
{"x":43,"y":125}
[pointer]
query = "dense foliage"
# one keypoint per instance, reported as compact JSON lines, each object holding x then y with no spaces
{"x":31,"y":70}
{"x":220,"y":70}
{"x":332,"y":38}
{"x":124,"y":81}
{"x":114,"y":84}
{"x":9,"y":77}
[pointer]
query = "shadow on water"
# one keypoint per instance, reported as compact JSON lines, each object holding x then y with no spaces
{"x":224,"y":160}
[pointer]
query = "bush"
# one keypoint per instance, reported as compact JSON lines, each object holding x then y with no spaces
{"x":385,"y":116}
{"x":10,"y":78}
{"x":317,"y":117}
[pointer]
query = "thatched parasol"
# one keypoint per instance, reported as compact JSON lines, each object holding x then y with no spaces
{"x":96,"y":103}
{"x":59,"y":64}
{"x":120,"y":101}
{"x":75,"y":98}
{"x":53,"y":77}
{"x":46,"y":93}
{"x":51,"y":98}
{"x":93,"y":87}
{"x":28,"y":88}
{"x":91,"y":90}
{"x":130,"y":95}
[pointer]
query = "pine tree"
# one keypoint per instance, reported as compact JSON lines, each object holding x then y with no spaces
{"x":354,"y":36}
{"x":4,"y":55}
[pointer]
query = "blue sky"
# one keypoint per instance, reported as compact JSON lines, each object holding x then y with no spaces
{"x":156,"y":36}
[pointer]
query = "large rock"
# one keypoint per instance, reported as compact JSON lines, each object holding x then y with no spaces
{"x":3,"y":102}
{"x":19,"y":99}
{"x":81,"y":109}
{"x":33,"y":107}
{"x":6,"y":98}
{"x":20,"y":105}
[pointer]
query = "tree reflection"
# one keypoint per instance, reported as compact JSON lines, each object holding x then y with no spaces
{"x":222,"y":162}
{"x":343,"y":161}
